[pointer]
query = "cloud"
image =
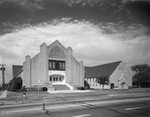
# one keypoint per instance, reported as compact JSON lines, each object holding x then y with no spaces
{"x":88,"y":41}
{"x":41,"y":4}
{"x":80,"y":35}
{"x":92,"y":3}
{"x":27,"y":4}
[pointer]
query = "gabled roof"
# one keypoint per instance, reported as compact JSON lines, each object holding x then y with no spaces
{"x":101,"y":70}
{"x":57,"y":43}
{"x":16,"y":69}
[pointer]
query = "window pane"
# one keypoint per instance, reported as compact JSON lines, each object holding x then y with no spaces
{"x":59,"y":78}
{"x":50,"y":79}
{"x":53,"y":78}
{"x":56,"y":65}
{"x":63,"y":65}
{"x":53,"y":65}
{"x":60,"y":66}
{"x":49,"y":65}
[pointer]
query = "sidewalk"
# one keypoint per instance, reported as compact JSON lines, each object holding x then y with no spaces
{"x":4,"y":94}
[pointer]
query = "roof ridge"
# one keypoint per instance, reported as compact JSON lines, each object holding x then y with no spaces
{"x":105,"y":64}
{"x":111,"y":63}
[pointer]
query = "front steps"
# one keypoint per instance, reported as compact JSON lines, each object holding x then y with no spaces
{"x":60,"y":87}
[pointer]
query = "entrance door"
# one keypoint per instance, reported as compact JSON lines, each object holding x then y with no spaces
{"x":56,"y":78}
{"x":112,"y":85}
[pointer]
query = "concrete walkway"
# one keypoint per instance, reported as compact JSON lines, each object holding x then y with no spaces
{"x":4,"y":94}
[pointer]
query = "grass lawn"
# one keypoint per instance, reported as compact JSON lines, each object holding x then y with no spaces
{"x":33,"y":96}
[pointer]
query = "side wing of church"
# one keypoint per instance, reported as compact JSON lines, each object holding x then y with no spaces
{"x":117,"y":72}
{"x":54,"y":66}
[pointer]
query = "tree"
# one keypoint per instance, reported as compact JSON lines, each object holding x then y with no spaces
{"x":9,"y":85}
{"x":86,"y":85}
{"x":15,"y":84}
{"x":142,"y":73}
{"x":103,"y":80}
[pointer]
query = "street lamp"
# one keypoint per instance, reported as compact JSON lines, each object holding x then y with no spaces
{"x":2,"y":68}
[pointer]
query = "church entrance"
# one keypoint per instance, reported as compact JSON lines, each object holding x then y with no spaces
{"x":56,"y":78}
{"x":112,"y":85}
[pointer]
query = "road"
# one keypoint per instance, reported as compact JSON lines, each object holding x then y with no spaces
{"x":137,"y":107}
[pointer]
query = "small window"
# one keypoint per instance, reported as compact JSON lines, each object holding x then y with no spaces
{"x":50,"y":65}
{"x":53,"y":78}
{"x":89,"y":79}
{"x":60,"y":66}
{"x":59,"y":78}
{"x":63,"y":66}
{"x":56,"y":78}
{"x":50,"y":79}
{"x":121,"y":68}
{"x":53,"y":65}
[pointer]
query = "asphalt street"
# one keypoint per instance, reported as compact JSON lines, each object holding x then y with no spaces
{"x":137,"y":107}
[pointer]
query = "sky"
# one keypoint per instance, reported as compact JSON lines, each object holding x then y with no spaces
{"x":99,"y":31}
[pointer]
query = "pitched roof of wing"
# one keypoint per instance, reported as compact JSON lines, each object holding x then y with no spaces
{"x":101,"y":70}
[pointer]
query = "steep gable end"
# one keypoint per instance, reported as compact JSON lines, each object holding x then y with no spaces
{"x":57,"y":43}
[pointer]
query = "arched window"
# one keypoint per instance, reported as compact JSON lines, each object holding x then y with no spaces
{"x":57,"y":53}
{"x":56,"y":59}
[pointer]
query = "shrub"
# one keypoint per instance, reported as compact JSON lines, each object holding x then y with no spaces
{"x":81,"y":88}
{"x":23,"y":89}
{"x":15,"y":84}
{"x":86,"y":85}
{"x":44,"y":89}
{"x":3,"y":87}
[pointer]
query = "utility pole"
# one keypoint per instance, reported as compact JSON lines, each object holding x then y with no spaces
{"x":2,"y":68}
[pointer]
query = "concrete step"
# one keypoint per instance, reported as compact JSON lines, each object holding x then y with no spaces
{"x":60,"y":87}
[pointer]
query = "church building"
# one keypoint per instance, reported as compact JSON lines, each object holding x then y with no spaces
{"x":119,"y":76}
{"x":53,"y":67}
